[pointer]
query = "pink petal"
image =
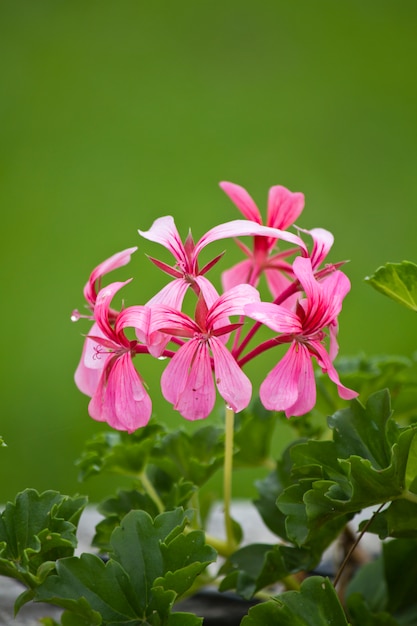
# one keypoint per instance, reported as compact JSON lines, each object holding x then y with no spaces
{"x":290,"y":386}
{"x":171,"y":295}
{"x":240,"y":197}
{"x":117,"y":260}
{"x":121,"y":399}
{"x":284,"y":207}
{"x":88,"y":372}
{"x":238,"y":274}
{"x":322,"y":242}
{"x":241,"y":228}
{"x":208,"y":290}
{"x":187,"y":381}
{"x":102,"y":307}
{"x":328,"y":368}
{"x":232,"y":302}
{"x":233,"y":385}
{"x":164,"y":231}
{"x":137,"y":317}
{"x":275,"y":316}
{"x":278,"y":283}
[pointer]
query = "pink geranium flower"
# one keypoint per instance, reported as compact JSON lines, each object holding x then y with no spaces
{"x":186,"y":272}
{"x":187,"y":382}
{"x":106,"y":371}
{"x":290,"y":386}
{"x":284,"y":207}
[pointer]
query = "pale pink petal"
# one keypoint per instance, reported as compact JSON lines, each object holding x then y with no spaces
{"x":88,"y":372}
{"x":121,"y":399}
{"x":187,"y":381}
{"x":233,"y":385}
{"x":137,"y":317}
{"x":238,"y":274}
{"x":290,"y":385}
{"x":240,"y":197}
{"x":164,"y":231}
{"x":208,"y":290}
{"x":232,"y":302}
{"x":117,"y":260}
{"x":275,"y":316}
{"x":328,"y":368}
{"x":171,"y":295}
{"x":284,"y":207}
{"x":242,"y":228}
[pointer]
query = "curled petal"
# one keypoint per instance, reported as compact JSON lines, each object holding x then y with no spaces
{"x":290,"y":386}
{"x":244,"y":202}
{"x":284,"y":207}
{"x":120,"y":398}
{"x":187,"y":381}
{"x":102,"y":308}
{"x":241,"y":228}
{"x":233,"y":385}
{"x":164,"y":231}
{"x":117,"y":260}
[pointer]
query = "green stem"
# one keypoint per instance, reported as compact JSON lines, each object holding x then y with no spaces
{"x":150,"y":490}
{"x":227,"y":477}
{"x":410,"y":496}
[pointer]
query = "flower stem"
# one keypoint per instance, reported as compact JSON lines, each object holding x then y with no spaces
{"x":150,"y":490}
{"x":227,"y":477}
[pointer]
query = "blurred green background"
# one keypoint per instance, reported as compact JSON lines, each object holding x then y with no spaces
{"x":114,"y":113}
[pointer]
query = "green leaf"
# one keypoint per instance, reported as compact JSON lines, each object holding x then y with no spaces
{"x":381,"y":591}
{"x":365,"y":464}
{"x":119,"y":452}
{"x":316,"y":604}
{"x":153,"y":561}
{"x":257,"y":566}
{"x":193,"y":457}
{"x":36,"y":530}
{"x":397,"y":281}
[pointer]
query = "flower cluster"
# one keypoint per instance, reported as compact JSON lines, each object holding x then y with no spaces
{"x":209,"y":349}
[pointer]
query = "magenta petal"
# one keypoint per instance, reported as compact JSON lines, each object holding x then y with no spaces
{"x":284,"y":207}
{"x":275,"y":316}
{"x":233,"y":385}
{"x":164,"y":231}
{"x":290,"y":385}
{"x":244,"y":202}
{"x":187,"y":381}
{"x":238,"y":274}
{"x":117,"y":260}
{"x":121,"y":399}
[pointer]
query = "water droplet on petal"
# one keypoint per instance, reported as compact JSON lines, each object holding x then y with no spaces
{"x":162,"y":358}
